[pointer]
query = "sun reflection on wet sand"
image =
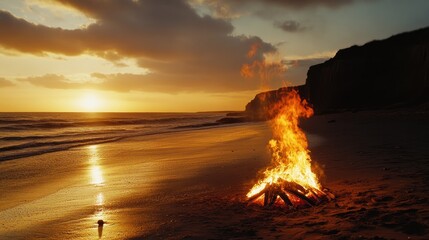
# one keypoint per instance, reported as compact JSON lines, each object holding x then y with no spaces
{"x":99,"y":202}
{"x":96,"y":173}
{"x":96,"y":178}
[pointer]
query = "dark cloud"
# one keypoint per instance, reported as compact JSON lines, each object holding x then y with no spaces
{"x":290,"y":26}
{"x":288,"y":3}
{"x":182,"y":49}
{"x":5,"y":83}
{"x":23,"y":36}
{"x":308,"y":3}
{"x":267,"y":9}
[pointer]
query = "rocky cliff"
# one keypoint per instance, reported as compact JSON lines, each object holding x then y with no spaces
{"x":378,"y":74}
{"x":383,"y":73}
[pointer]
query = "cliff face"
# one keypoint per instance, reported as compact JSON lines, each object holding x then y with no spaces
{"x":389,"y":72}
{"x":377,"y":74}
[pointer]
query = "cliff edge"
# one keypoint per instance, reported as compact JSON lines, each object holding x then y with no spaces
{"x":394,"y":71}
{"x":383,"y":73}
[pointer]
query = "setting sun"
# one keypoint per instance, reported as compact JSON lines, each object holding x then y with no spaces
{"x":90,"y":103}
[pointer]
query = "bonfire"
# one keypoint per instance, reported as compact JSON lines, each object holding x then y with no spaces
{"x":290,"y":176}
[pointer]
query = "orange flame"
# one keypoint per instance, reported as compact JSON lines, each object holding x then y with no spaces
{"x":261,"y":67}
{"x":246,"y":71}
{"x":290,"y":159}
{"x":253,"y":49}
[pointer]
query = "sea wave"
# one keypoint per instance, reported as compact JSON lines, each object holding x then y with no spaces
{"x":29,"y":134}
{"x":17,"y":125}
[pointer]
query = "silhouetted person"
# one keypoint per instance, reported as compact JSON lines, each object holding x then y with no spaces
{"x":100,"y":228}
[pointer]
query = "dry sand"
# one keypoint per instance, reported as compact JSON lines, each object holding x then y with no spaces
{"x":192,"y":184}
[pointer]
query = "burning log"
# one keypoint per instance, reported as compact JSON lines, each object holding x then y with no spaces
{"x":287,"y":190}
{"x":290,"y":175}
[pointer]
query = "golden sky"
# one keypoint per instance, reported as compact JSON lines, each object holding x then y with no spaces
{"x":175,"y":55}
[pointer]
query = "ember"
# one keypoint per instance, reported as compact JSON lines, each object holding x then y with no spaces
{"x":290,"y":176}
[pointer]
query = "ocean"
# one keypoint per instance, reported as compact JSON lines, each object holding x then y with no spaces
{"x":29,"y":134}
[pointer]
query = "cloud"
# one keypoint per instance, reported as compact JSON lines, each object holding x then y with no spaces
{"x":290,"y":26}
{"x":23,"y":36}
{"x":5,"y":83}
{"x":310,"y":3}
{"x":53,"y":81}
{"x":181,"y":48}
{"x":267,"y":9}
{"x":297,"y":4}
{"x":127,"y":82}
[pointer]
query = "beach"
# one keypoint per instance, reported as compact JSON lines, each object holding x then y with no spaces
{"x":214,"y":119}
{"x":191,"y":184}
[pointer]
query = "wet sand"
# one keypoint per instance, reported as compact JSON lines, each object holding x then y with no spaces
{"x":192,"y":184}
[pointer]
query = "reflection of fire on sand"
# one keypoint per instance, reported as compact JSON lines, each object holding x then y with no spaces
{"x":290,"y":176}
